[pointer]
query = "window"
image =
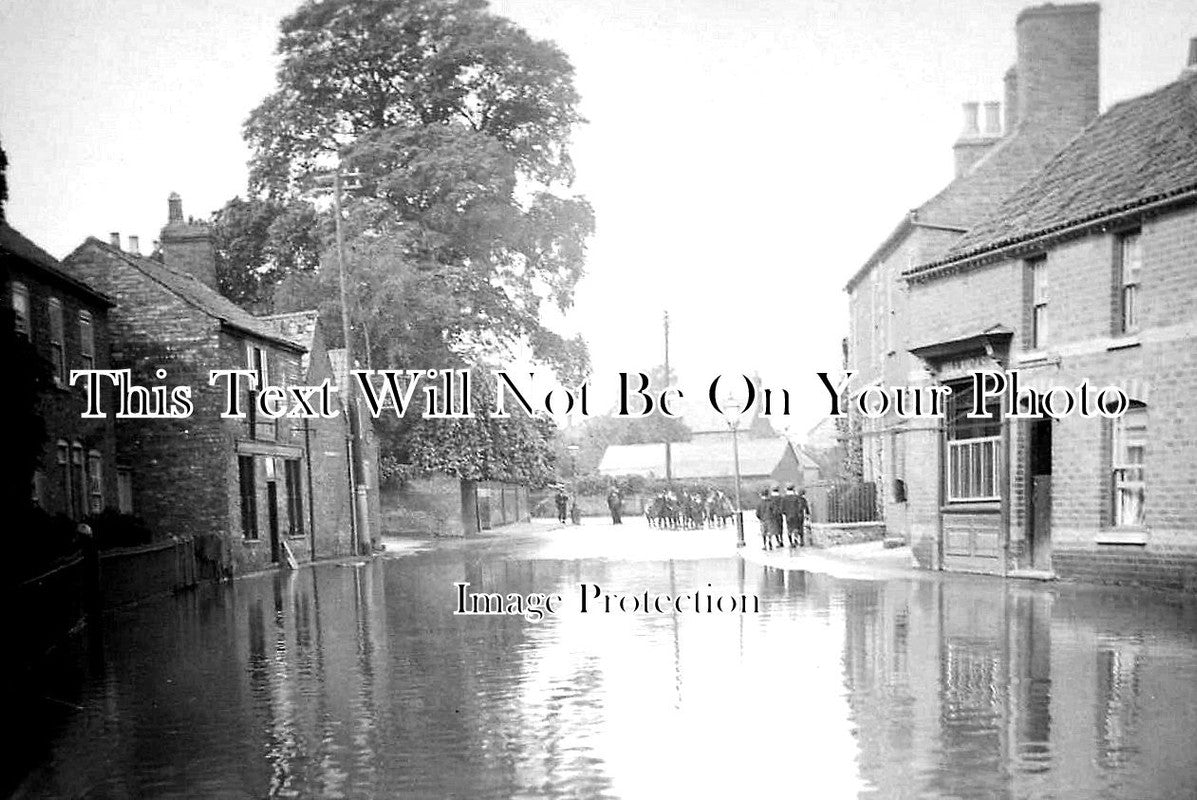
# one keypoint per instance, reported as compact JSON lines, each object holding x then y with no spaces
{"x":1130,"y":262}
{"x":63,"y":461}
{"x":294,"y":496}
{"x":20,"y":307}
{"x":78,"y":482}
{"x":57,"y":341}
{"x":95,"y":482}
{"x":87,"y":341}
{"x":249,"y":496}
{"x":1039,"y":300}
{"x":39,"y":488}
{"x":124,"y":490}
{"x":256,"y":360}
{"x":1129,"y":458}
{"x":973,"y":449}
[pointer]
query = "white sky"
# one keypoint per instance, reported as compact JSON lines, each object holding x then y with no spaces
{"x":743,"y":156}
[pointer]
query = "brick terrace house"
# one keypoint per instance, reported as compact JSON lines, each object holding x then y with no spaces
{"x":67,"y":322}
{"x":242,"y":487}
{"x":1051,"y":94}
{"x":1087,"y":272}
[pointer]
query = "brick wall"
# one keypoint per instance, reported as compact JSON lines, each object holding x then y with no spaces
{"x":62,"y":407}
{"x":1158,"y":366}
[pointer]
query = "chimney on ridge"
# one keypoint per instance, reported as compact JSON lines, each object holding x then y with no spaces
{"x":135,"y":245}
{"x":187,"y":246}
{"x":1191,"y":64}
{"x":973,"y":143}
{"x":1057,"y":68}
{"x":1011,"y":99}
{"x":114,"y":239}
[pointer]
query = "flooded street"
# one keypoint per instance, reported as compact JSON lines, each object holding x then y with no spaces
{"x":359,"y":681}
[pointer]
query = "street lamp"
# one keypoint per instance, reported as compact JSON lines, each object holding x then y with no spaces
{"x":732,"y":409}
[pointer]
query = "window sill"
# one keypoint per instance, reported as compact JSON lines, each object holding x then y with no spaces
{"x":1036,"y":358}
{"x":1130,"y":536}
{"x":1124,"y":342}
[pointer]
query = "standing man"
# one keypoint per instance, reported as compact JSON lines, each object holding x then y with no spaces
{"x":795,"y":510}
{"x":777,"y":520}
{"x":562,"y":501}
{"x":615,"y":506}
{"x":764,"y":514}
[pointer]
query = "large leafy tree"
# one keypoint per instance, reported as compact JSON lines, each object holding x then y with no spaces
{"x":459,"y":224}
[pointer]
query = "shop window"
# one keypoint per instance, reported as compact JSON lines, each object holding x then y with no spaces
{"x":973,"y":448}
{"x":247,"y":480}
{"x":294,"y":496}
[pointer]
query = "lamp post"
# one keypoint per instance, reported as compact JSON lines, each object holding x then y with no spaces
{"x":732,"y":409}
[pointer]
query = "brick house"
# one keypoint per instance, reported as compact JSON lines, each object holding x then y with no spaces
{"x":1051,"y":94}
{"x":67,"y":322}
{"x":242,"y":487}
{"x":1086,"y":273}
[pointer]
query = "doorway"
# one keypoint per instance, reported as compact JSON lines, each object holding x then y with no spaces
{"x":272,"y":517}
{"x":1039,"y":510}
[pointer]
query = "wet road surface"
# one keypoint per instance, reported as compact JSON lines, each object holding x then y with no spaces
{"x":359,"y":681}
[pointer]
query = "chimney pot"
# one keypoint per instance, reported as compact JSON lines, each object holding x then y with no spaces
{"x":1192,"y":63}
{"x":993,"y":119}
{"x":135,"y":245}
{"x":174,"y":205}
{"x":971,"y":127}
{"x":114,"y":239}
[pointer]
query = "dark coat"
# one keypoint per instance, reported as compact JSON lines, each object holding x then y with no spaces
{"x":795,"y":509}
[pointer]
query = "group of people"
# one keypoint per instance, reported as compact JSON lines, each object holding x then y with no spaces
{"x":567,"y":506}
{"x":783,"y":516}
{"x":689,"y":510}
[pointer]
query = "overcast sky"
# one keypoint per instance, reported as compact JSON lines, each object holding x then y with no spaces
{"x":743,"y":156}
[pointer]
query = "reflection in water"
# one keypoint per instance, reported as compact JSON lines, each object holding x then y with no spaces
{"x":357,"y":681}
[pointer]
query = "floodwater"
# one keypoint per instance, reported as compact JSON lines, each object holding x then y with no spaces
{"x":359,"y":681}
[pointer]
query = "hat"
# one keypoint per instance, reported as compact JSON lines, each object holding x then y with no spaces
{"x":776,"y":490}
{"x":789,"y":486}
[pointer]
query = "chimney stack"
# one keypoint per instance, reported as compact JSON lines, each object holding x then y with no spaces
{"x":187,"y":246}
{"x":1011,"y":81}
{"x":973,"y":144}
{"x":134,"y":245}
{"x":174,"y":208}
{"x":114,"y":239}
{"x":971,"y":128}
{"x":993,"y":119}
{"x":1191,"y":64}
{"x":1057,"y":68}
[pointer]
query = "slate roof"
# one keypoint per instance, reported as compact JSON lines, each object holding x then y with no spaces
{"x":16,"y":244}
{"x":199,"y":295}
{"x":1139,"y":152}
{"x":698,"y":459}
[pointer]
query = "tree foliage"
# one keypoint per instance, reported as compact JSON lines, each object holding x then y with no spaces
{"x":3,"y":182}
{"x":258,"y":242}
{"x":458,"y":225}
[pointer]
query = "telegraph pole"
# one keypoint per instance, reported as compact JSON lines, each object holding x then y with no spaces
{"x":358,"y":463}
{"x":668,"y":444}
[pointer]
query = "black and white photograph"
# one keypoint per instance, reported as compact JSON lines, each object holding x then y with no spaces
{"x":512,"y":399}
